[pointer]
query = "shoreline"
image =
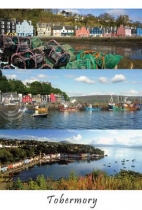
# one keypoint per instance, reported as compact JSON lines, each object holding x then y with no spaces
{"x":113,"y":41}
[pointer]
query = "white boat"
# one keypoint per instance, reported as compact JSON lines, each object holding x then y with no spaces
{"x":111,"y":104}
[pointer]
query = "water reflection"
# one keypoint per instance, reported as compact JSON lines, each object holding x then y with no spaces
{"x":117,"y":159}
{"x":130,"y":52}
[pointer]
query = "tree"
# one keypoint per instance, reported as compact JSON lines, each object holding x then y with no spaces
{"x":35,"y":88}
{"x":106,"y":17}
{"x":0,"y":73}
{"x":18,"y":86}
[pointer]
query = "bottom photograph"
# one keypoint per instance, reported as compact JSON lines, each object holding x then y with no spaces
{"x":70,"y":160}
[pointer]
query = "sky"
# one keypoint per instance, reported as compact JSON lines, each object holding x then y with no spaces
{"x":134,"y":14}
{"x":108,"y":137}
{"x":85,"y":82}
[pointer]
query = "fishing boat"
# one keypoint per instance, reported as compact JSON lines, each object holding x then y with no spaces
{"x":90,"y":108}
{"x":67,"y":108}
{"x":40,"y":112}
{"x":111,"y":104}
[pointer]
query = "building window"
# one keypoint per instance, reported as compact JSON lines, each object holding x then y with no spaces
{"x":2,"y":30}
{"x":8,"y":30}
{"x":2,"y":26}
{"x":13,"y":24}
{"x":8,"y":23}
{"x":13,"y":27}
{"x":2,"y":22}
{"x":8,"y":26}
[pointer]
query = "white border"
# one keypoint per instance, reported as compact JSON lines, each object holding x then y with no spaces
{"x":90,"y":4}
{"x":107,"y":200}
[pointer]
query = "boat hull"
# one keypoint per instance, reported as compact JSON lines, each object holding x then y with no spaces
{"x":40,"y":115}
{"x":93,"y":109}
{"x":69,"y":110}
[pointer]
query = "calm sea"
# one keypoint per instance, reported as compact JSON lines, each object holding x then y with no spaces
{"x":117,"y":159}
{"x":77,"y":120}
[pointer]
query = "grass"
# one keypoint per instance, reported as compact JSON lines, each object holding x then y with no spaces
{"x":97,"y":180}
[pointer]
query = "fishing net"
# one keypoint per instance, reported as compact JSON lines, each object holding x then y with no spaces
{"x":36,"y":43}
{"x":112,"y":60}
{"x":69,"y":50}
{"x":79,"y":64}
{"x":99,"y":60}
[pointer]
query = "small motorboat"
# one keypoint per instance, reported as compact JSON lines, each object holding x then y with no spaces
{"x":40,"y":112}
{"x":39,"y":115}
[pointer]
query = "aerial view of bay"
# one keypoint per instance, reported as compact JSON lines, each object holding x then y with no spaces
{"x":62,"y":154}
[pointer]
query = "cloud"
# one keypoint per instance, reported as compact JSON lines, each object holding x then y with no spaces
{"x":11,"y":76}
{"x":118,"y":78}
{"x":29,"y":81}
{"x":75,"y":139}
{"x":103,"y":80}
{"x":117,"y":12}
{"x":130,"y":92}
{"x":42,"y":76}
{"x":84,"y":79}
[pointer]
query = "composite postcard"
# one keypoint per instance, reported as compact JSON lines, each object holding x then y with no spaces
{"x":70,"y":100}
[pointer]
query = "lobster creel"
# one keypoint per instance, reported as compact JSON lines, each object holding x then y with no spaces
{"x":24,"y":60}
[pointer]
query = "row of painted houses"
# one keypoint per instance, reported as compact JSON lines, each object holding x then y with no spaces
{"x":14,"y":97}
{"x":20,"y":28}
{"x":45,"y":157}
{"x":25,"y":28}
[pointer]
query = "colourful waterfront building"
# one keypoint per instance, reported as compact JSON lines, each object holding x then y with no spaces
{"x":139,"y":31}
{"x":43,"y":29}
{"x":24,"y":28}
{"x":82,"y":32}
{"x":96,"y":32}
{"x":124,"y":31}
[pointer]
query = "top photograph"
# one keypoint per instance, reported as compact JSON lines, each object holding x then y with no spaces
{"x":71,"y":38}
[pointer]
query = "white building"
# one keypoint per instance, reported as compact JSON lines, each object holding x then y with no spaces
{"x":24,"y":28}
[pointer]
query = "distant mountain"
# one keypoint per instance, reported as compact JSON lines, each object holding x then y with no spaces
{"x":117,"y":145}
{"x":109,"y":145}
{"x":65,"y":142}
{"x":103,"y":98}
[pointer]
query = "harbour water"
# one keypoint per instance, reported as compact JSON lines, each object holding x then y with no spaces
{"x":76,"y":120}
{"x":118,"y":158}
{"x":132,"y":52}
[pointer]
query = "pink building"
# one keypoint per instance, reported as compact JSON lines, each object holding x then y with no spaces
{"x":82,"y":32}
{"x":52,"y":97}
{"x":124,"y":31}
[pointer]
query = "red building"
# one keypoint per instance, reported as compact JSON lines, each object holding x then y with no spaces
{"x":82,"y":32}
{"x":27,"y":99}
{"x":52,"y":98}
{"x":124,"y":31}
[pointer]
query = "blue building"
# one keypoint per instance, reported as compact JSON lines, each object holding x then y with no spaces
{"x":139,"y":31}
{"x":96,"y":31}
{"x":24,"y":28}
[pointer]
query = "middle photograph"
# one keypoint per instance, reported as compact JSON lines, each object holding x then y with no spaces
{"x":59,"y":99}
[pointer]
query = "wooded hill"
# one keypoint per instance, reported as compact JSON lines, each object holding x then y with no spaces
{"x":29,"y":148}
{"x":51,"y":16}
